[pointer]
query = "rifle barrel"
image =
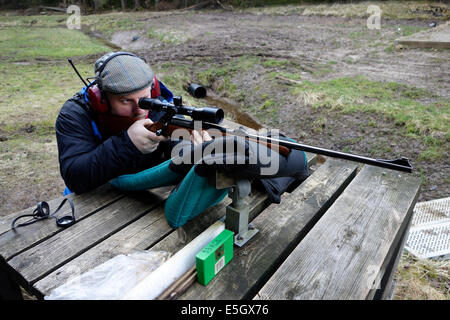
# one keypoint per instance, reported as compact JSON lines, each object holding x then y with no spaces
{"x":401,"y":164}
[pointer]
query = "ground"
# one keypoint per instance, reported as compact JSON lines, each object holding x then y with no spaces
{"x":323,"y":80}
{"x":286,"y":71}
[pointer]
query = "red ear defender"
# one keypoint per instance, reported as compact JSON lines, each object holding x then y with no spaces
{"x":155,"y":91}
{"x":95,"y":99}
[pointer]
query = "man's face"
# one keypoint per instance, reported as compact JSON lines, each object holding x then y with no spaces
{"x":128,"y":105}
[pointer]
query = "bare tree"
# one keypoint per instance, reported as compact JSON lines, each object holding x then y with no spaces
{"x":96,"y":5}
{"x":84,"y":5}
{"x":124,"y":5}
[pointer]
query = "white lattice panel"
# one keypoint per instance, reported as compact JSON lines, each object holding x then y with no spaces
{"x":429,"y":234}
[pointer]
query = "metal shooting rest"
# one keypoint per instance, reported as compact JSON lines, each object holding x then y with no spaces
{"x":237,"y":213}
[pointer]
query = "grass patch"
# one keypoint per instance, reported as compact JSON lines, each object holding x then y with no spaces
{"x":269,"y":111}
{"x":401,"y":103}
{"x":435,"y":148}
{"x":32,"y":92}
{"x":33,"y":21}
{"x":422,"y":114}
{"x":24,"y":43}
{"x":207,"y":77}
{"x":31,"y":95}
{"x":268,"y":104}
{"x":390,"y":9}
{"x":165,"y":36}
{"x":273,"y":63}
{"x":409,"y":30}
{"x":425,"y":279}
{"x":109,"y":23}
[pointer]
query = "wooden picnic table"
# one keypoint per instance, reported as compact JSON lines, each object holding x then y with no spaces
{"x":338,"y":235}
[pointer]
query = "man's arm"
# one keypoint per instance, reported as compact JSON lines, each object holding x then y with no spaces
{"x":85,"y":162}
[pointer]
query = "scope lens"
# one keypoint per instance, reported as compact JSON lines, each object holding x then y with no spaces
{"x":207,"y":114}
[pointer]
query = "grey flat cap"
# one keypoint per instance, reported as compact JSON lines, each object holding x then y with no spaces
{"x":122,"y":73}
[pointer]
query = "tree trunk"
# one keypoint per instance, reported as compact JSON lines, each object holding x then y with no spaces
{"x":124,"y":5}
{"x":84,"y":4}
{"x":137,"y":4}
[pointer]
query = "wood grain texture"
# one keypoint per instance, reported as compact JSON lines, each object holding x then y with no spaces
{"x":281,"y":227}
{"x":35,"y":263}
{"x":346,"y":250}
{"x":257,"y":202}
{"x":137,"y":236}
{"x":149,"y":232}
{"x":14,"y":242}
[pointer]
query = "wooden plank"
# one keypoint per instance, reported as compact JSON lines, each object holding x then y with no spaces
{"x":345,"y":251}
{"x":281,"y":227}
{"x":385,"y":291}
{"x":438,"y":38}
{"x":79,"y":200}
{"x":150,"y":231}
{"x":154,"y":284}
{"x":13,"y":243}
{"x":35,"y":263}
{"x":257,"y":202}
{"x":142,"y":234}
{"x":176,"y":241}
{"x":417,"y":43}
{"x":136,"y":236}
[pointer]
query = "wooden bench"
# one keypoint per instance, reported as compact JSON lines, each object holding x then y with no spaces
{"x":338,"y":235}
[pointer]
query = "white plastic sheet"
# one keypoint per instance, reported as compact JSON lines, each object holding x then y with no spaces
{"x":112,"y":279}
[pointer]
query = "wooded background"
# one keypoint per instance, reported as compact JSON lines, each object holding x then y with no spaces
{"x":99,"y":5}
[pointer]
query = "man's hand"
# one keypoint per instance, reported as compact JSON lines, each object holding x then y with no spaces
{"x":145,"y":140}
{"x":197,"y":138}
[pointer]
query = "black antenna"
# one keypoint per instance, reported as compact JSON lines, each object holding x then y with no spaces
{"x":73,"y":66}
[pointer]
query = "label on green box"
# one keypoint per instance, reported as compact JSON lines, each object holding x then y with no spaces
{"x":214,"y":256}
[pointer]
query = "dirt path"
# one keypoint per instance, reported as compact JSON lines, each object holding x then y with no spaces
{"x":318,"y":48}
{"x":348,"y":43}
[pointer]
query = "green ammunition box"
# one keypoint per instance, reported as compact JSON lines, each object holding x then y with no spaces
{"x":214,"y":257}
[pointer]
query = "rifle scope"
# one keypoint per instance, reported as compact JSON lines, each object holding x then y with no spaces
{"x":206,"y":114}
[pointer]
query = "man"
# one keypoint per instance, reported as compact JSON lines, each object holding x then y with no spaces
{"x":103,"y":136}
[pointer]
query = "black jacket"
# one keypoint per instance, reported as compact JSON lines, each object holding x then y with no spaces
{"x":85,"y":160}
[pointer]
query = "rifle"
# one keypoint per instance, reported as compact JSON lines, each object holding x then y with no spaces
{"x":210,"y":118}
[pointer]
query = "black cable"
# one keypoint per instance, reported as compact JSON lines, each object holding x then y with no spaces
{"x":42,"y":212}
